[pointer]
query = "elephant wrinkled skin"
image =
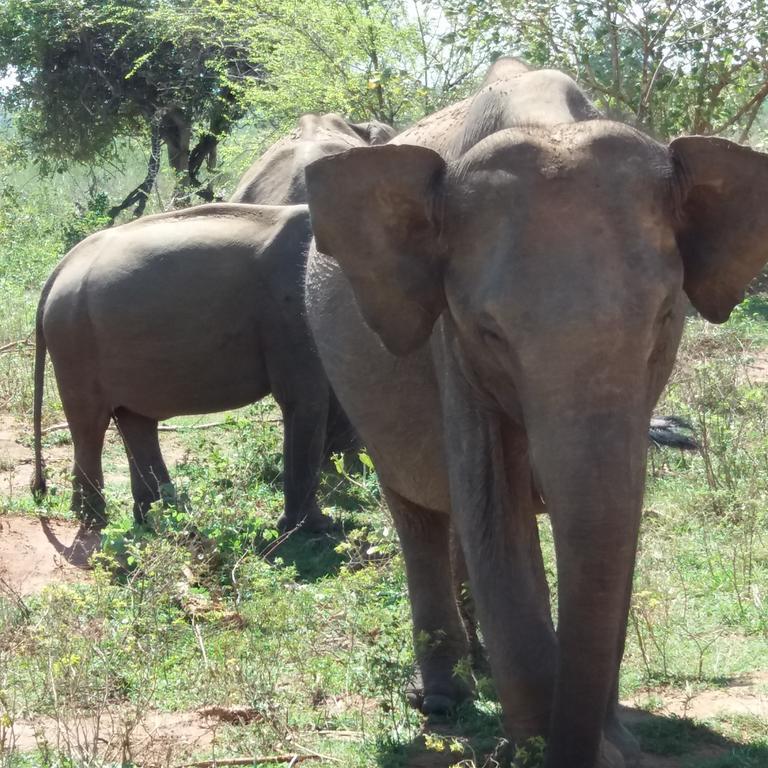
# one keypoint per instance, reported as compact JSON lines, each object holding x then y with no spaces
{"x":498,"y":297}
{"x":183,"y":313}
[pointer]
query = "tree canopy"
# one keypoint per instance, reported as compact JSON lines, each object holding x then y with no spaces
{"x":183,"y":73}
{"x":675,"y":66}
{"x":89,"y":73}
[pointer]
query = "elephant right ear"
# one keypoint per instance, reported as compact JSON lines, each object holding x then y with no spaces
{"x":376,"y":211}
{"x":723,"y":228}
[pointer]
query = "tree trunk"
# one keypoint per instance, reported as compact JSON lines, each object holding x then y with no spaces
{"x":139,"y":195}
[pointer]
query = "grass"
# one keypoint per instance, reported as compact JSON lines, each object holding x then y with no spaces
{"x":311,"y":634}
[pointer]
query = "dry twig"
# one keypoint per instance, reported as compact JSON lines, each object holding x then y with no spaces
{"x":12,"y":346}
{"x":161,"y":427}
{"x":292,"y":759}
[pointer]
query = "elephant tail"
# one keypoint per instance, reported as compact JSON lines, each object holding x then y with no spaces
{"x":38,"y":485}
{"x":672,"y":432}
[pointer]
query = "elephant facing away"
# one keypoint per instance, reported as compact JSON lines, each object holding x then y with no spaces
{"x":183,"y":313}
{"x":277,"y":177}
{"x":498,"y":296}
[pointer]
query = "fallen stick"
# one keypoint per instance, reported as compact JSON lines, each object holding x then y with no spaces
{"x":11,"y":346}
{"x":167,"y":427}
{"x":290,"y":759}
{"x":161,"y":427}
{"x":55,"y":428}
{"x":350,"y":735}
{"x":183,"y":428}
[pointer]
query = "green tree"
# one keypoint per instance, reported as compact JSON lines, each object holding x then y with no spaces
{"x":88,"y":74}
{"x":675,"y":66}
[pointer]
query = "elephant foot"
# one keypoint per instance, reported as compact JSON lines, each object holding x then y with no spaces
{"x":438,"y":704}
{"x":313,"y":522}
{"x":609,"y":756}
{"x":618,"y":735}
{"x":92,"y":516}
{"x":438,"y":699}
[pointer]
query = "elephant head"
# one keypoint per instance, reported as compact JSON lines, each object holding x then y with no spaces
{"x":277,"y":177}
{"x":374,"y":133}
{"x":547,"y":269}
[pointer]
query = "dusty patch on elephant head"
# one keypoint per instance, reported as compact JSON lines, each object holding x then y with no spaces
{"x":37,"y":553}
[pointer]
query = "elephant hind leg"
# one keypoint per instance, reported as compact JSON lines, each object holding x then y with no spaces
{"x":149,"y":475}
{"x":304,"y":424}
{"x":88,"y":422}
{"x":440,"y":638}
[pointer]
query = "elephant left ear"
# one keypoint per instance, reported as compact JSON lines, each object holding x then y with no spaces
{"x":723,"y":227}
{"x":377,"y":211}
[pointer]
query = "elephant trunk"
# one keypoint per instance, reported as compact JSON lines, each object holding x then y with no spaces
{"x":594,"y":491}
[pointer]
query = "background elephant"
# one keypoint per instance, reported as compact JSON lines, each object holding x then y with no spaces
{"x":277,"y":177}
{"x":498,"y":298}
{"x":183,"y":313}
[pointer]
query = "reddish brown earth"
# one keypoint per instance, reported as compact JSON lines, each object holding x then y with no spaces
{"x":757,"y":370}
{"x":35,"y":553}
{"x":152,"y":739}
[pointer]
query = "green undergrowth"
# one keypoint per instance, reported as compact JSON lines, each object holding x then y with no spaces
{"x":207,"y":605}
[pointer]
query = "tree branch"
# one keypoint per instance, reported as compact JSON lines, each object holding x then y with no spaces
{"x":754,"y":102}
{"x":139,"y":195}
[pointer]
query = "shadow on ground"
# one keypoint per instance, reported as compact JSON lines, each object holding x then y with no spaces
{"x":85,"y":543}
{"x":313,"y":555}
{"x":666,"y":741}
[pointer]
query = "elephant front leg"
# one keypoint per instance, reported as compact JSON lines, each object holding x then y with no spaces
{"x":500,"y":540}
{"x":304,"y":425}
{"x":440,"y":640}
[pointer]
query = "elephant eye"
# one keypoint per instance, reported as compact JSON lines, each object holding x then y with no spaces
{"x":491,"y":337}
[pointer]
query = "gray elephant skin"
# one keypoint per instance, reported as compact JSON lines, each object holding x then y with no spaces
{"x":183,"y":313}
{"x":277,"y":177}
{"x":169,"y":355}
{"x":498,"y":297}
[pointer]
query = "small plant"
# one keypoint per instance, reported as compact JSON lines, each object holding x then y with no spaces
{"x":530,"y":754}
{"x":88,"y":218}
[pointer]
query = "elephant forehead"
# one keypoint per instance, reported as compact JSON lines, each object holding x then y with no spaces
{"x":590,"y":148}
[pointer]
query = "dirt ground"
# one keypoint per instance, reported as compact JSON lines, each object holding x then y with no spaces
{"x":17,"y":463}
{"x":35,"y":553}
{"x":154,"y":739}
{"x":757,"y":370}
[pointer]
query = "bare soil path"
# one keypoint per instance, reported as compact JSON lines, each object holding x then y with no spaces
{"x":37,"y":553}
